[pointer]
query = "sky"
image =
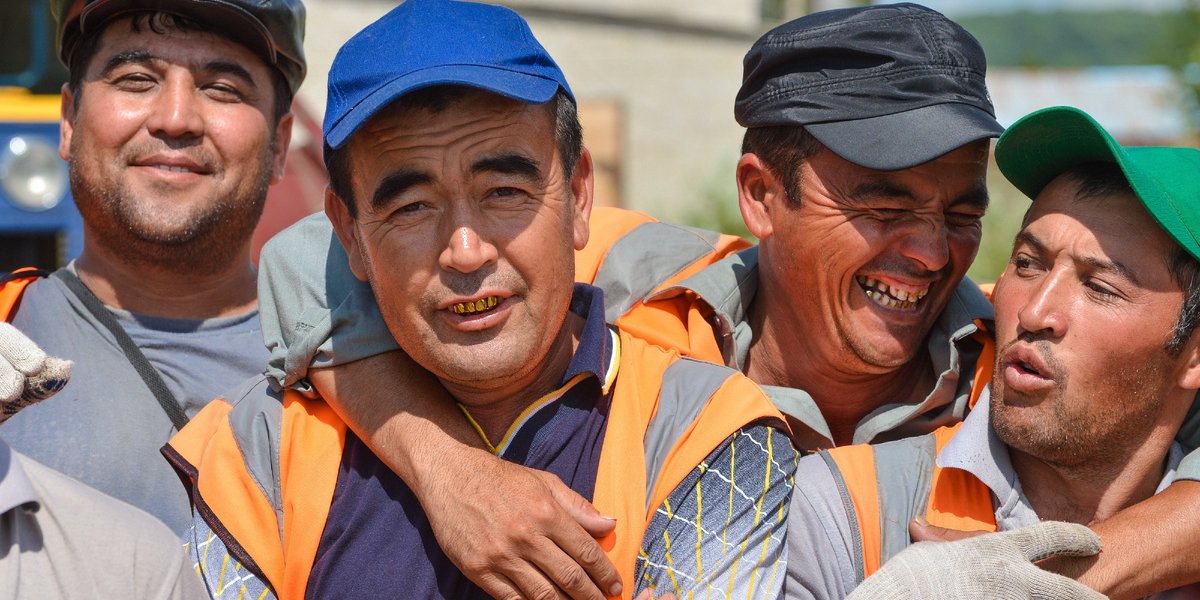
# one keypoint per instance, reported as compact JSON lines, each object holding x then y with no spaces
{"x":967,"y":7}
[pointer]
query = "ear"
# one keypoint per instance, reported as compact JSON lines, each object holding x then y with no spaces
{"x":66,"y":124}
{"x":1189,"y":377}
{"x":347,"y":232}
{"x":582,"y":186}
{"x":759,"y":192}
{"x":283,"y":139}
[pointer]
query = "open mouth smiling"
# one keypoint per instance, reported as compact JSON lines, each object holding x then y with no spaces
{"x":475,"y":307}
{"x":890,"y":297}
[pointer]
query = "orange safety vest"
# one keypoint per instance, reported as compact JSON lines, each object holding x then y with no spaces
{"x":951,"y":497}
{"x":679,"y":252}
{"x":12,"y":287}
{"x":275,"y":530}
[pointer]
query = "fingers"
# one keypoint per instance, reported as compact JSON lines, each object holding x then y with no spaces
{"x":24,"y":355}
{"x":579,"y":509}
{"x":1055,"y":538}
{"x":55,"y":374}
{"x":1050,"y":585}
{"x":12,"y":382}
{"x":922,"y":531}
{"x":27,"y":375}
{"x":585,"y":558}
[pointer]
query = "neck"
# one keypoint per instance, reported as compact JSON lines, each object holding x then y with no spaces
{"x":844,"y":389}
{"x":1097,"y":488}
{"x":159,"y":286}
{"x":495,"y":405}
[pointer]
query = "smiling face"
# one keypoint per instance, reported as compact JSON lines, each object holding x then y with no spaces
{"x":1083,"y":315}
{"x":466,"y":229}
{"x":866,"y":263}
{"x":174,"y":141}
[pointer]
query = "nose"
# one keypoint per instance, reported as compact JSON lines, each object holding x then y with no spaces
{"x":176,"y":112}
{"x":467,"y":251}
{"x":926,"y":243}
{"x":1043,"y":309}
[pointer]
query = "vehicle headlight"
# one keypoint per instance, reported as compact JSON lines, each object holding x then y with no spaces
{"x":32,"y":173}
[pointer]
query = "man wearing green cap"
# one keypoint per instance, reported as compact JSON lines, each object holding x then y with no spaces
{"x":1098,"y":362}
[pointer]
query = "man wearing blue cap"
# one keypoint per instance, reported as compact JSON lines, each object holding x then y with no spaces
{"x":1098,"y":362}
{"x":460,"y":189}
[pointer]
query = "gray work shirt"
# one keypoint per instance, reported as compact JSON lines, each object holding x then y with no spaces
{"x":105,"y":428}
{"x":60,"y":539}
{"x":820,"y":538}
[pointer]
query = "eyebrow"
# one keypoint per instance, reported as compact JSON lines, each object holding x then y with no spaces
{"x":145,"y":56}
{"x":508,"y":163}
{"x":1098,"y":264}
{"x":132,"y":56}
{"x":883,"y":188}
{"x":396,"y":184}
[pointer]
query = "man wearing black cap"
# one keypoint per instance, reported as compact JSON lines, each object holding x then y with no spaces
{"x":1098,"y":364}
{"x":862,"y":176}
{"x":175,"y":122}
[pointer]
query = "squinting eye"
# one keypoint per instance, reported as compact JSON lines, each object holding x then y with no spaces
{"x":963,"y":219}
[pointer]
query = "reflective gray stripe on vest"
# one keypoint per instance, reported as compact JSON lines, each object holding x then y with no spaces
{"x":904,"y":472}
{"x":903,"y":479}
{"x":687,"y":386}
{"x":257,"y":423}
{"x":851,"y":517}
{"x":642,"y":259}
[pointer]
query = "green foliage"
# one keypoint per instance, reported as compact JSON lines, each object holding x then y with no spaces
{"x":718,"y":206}
{"x":1078,"y":38}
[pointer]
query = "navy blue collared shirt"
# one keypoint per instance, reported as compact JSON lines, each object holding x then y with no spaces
{"x":377,"y":541}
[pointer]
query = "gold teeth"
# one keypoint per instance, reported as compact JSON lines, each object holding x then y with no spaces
{"x":470,"y":308}
{"x":871,"y":284}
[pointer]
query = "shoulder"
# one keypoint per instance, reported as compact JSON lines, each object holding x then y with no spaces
{"x":85,"y":517}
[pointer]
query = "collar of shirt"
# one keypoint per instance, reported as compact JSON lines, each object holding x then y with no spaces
{"x":15,"y":488}
{"x":597,"y":356}
{"x":977,"y":450}
{"x":728,"y":287}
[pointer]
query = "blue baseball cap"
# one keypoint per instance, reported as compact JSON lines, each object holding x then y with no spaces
{"x":423,"y":43}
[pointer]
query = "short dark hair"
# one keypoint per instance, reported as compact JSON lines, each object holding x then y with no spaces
{"x":163,"y":22}
{"x":783,"y":148}
{"x":568,"y":133}
{"x":1094,"y":179}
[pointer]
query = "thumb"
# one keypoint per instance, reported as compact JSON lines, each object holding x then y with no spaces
{"x":1055,"y":538}
{"x":921,"y":531}
{"x":582,"y":511}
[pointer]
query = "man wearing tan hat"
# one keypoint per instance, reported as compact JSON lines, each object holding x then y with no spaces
{"x":175,"y":120}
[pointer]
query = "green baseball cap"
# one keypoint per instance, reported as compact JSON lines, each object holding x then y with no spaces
{"x":1044,"y":144}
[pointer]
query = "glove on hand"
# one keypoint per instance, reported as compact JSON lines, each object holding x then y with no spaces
{"x":27,"y":375}
{"x":992,"y":565}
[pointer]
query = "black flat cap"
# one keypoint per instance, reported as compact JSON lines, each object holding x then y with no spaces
{"x":886,"y":87}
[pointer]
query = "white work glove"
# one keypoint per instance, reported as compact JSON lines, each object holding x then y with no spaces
{"x":27,"y":375}
{"x":992,"y":565}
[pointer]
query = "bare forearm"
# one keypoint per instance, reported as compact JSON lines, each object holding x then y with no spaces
{"x":1148,"y":547}
{"x":399,"y":410}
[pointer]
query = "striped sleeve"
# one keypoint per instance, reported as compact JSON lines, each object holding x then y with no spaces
{"x":223,"y":576}
{"x":721,"y":532}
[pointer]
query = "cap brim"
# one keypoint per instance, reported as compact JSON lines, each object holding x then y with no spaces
{"x":1043,"y":145}
{"x":232,"y":20}
{"x":906,"y":139}
{"x":517,"y":86}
